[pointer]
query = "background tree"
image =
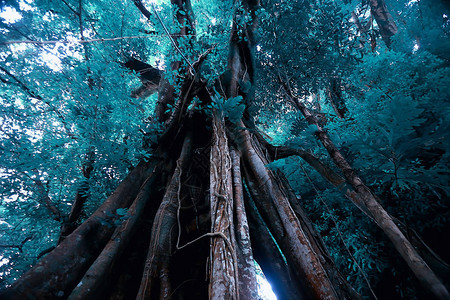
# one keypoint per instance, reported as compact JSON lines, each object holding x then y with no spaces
{"x":215,"y":160}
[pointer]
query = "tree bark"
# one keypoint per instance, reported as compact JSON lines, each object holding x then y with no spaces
{"x":90,"y":286}
{"x":156,"y":272}
{"x":335,"y":97}
{"x":281,"y":278}
{"x":343,"y":289}
{"x":246,"y":266}
{"x":384,"y":20}
{"x":223,"y":270}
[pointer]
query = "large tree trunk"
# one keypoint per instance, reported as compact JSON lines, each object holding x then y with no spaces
{"x":191,"y":195}
{"x":156,"y":272}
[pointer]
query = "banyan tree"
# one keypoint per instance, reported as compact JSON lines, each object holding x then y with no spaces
{"x":192,"y":217}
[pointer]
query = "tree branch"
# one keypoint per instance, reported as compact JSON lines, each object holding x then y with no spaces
{"x":36,"y":96}
{"x":324,"y":170}
{"x":48,"y":250}
{"x":45,"y":197}
{"x":143,"y":9}
{"x":171,"y":38}
{"x":279,"y":152}
{"x":76,"y":41}
{"x":22,"y":85}
{"x":384,"y":19}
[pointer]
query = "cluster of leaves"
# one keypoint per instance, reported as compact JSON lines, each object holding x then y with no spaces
{"x":231,"y":108}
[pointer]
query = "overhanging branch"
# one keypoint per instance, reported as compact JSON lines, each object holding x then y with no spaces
{"x":279,"y":152}
{"x":324,"y":170}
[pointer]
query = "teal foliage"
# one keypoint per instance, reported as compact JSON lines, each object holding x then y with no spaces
{"x":69,"y":104}
{"x":407,"y":118}
{"x":395,"y":134}
{"x":75,"y":106}
{"x":66,"y":104}
{"x":231,"y":108}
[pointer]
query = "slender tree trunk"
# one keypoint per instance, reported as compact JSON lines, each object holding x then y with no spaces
{"x":384,"y":20}
{"x":81,"y":196}
{"x":335,"y":97}
{"x":246,"y":266}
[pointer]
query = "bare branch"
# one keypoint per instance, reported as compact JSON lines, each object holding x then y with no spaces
{"x":77,"y":41}
{"x":70,"y":7}
{"x":279,"y":152}
{"x":323,"y":169}
{"x":22,"y":85}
